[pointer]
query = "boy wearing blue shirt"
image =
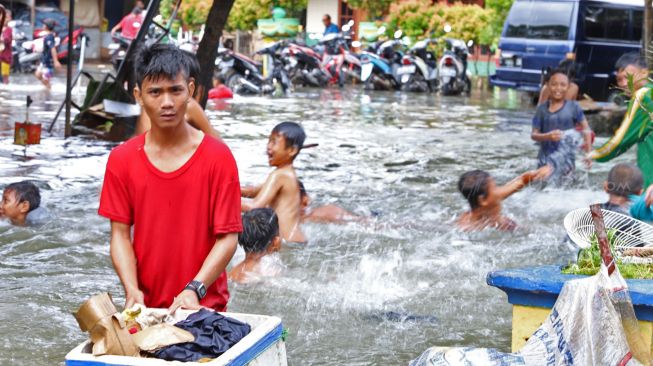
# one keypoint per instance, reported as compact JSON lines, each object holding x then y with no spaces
{"x":552,"y":119}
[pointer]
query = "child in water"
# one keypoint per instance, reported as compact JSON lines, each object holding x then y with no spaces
{"x":21,"y":204}
{"x":260,"y":238}
{"x":554,"y":128}
{"x":625,"y":185}
{"x":280,"y":191}
{"x":485,"y":197}
{"x":324,"y":214}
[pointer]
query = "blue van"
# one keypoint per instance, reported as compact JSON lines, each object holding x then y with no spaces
{"x":541,"y":33}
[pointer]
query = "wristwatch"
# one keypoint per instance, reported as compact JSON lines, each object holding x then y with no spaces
{"x":197,"y":287}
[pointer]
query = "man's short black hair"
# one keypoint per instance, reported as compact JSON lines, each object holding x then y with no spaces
{"x":625,"y":179}
{"x":631,"y":58}
{"x":292,"y":132}
{"x":327,"y":16}
{"x":49,"y":24}
{"x":26,"y":191}
{"x":260,"y":227}
{"x":473,"y":185}
{"x":193,"y":65}
{"x":161,"y":61}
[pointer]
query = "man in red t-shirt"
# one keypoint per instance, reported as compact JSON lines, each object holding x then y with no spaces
{"x":130,"y":24}
{"x":178,"y":189}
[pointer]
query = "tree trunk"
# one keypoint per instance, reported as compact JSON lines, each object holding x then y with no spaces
{"x":646,"y":36}
{"x":208,"y":47}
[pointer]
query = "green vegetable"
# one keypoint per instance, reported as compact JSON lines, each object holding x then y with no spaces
{"x":589,"y":262}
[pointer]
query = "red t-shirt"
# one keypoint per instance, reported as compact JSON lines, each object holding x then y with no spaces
{"x":6,"y":38}
{"x":129,"y":25}
{"x":176,"y":216}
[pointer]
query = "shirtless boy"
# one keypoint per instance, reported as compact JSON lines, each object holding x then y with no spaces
{"x":485,"y":197}
{"x":281,"y":189}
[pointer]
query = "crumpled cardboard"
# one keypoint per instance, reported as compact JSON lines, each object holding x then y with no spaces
{"x":97,"y":316}
{"x":161,"y":335}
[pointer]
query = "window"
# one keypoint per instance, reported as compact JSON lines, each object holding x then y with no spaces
{"x":540,"y":20}
{"x":638,"y":21}
{"x":607,"y":23}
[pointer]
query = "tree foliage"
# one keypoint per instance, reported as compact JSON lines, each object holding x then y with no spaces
{"x":422,"y":18}
{"x":374,"y":8}
{"x":245,"y":13}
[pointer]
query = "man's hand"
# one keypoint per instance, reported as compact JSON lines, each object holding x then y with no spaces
{"x":537,"y":175}
{"x":649,"y":196}
{"x":134,"y":297}
{"x":555,"y":135}
{"x":187,"y":299}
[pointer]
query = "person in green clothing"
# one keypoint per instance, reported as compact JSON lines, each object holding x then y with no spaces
{"x":637,"y":125}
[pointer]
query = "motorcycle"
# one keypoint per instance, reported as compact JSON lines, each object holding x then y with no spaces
{"x":453,"y":76}
{"x":338,"y":60}
{"x":305,"y":66}
{"x":419,"y":72}
{"x":118,"y":50}
{"x":379,"y":68}
{"x":246,"y":76}
{"x":27,"y":53}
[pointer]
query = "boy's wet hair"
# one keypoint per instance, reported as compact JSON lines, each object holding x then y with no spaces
{"x":473,"y":185}
{"x":625,"y":179}
{"x":302,"y":189}
{"x":293,"y":133}
{"x":192,"y":64}
{"x":566,"y":67}
{"x":260,"y":227}
{"x":559,"y":72}
{"x":630,"y":58}
{"x":26,"y":191}
{"x":49,"y":24}
{"x":161,"y":61}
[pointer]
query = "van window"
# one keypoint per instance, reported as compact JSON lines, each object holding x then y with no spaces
{"x":606,"y":23}
{"x":638,"y":21}
{"x":539,"y":19}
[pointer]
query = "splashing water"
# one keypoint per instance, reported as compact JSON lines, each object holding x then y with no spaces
{"x":357,"y":294}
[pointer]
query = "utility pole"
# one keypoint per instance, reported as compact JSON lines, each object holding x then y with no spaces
{"x":69,"y":66}
{"x":208,"y":47}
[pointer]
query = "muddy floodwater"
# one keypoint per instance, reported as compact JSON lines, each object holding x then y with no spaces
{"x":357,"y":294}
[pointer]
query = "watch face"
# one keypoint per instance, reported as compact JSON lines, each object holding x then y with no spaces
{"x":202,"y":291}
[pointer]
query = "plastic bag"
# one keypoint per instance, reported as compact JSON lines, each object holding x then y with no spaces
{"x":592,"y":323}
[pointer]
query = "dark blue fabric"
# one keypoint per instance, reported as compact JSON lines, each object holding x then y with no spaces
{"x":46,"y":56}
{"x":332,"y":28}
{"x":566,"y":118}
{"x":214,"y":335}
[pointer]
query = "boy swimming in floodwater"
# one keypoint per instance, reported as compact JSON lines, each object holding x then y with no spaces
{"x":281,"y":189}
{"x":324,"y":214}
{"x":485,"y":197}
{"x":260,"y":238}
{"x":21,"y":204}
{"x":554,"y":128}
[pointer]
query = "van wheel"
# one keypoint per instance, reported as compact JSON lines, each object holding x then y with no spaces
{"x":618,"y":97}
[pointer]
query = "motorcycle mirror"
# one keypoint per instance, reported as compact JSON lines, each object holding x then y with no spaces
{"x":470,"y":43}
{"x":398,"y":34}
{"x":346,"y":28}
{"x":12,"y":24}
{"x":447,"y":28}
{"x":350,"y":23}
{"x":356,"y":44}
{"x":381,"y":30}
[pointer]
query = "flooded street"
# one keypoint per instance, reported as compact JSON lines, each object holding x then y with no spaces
{"x":376,"y":294}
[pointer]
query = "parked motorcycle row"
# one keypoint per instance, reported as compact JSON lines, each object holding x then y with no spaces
{"x":27,"y":46}
{"x":386,"y":65}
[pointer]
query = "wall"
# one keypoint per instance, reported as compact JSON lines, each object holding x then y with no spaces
{"x":316,"y":9}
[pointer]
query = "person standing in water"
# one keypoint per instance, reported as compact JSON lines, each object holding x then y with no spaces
{"x":178,"y":189}
{"x":636,"y":126}
{"x":6,"y":57}
{"x":49,"y":57}
{"x":552,"y":119}
{"x":281,"y":189}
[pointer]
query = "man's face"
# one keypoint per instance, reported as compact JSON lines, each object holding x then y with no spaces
{"x":558,"y":85}
{"x":639,"y":77}
{"x":165,"y":100}
{"x":278,"y":153}
{"x":326,"y":21}
{"x":11,"y":208}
